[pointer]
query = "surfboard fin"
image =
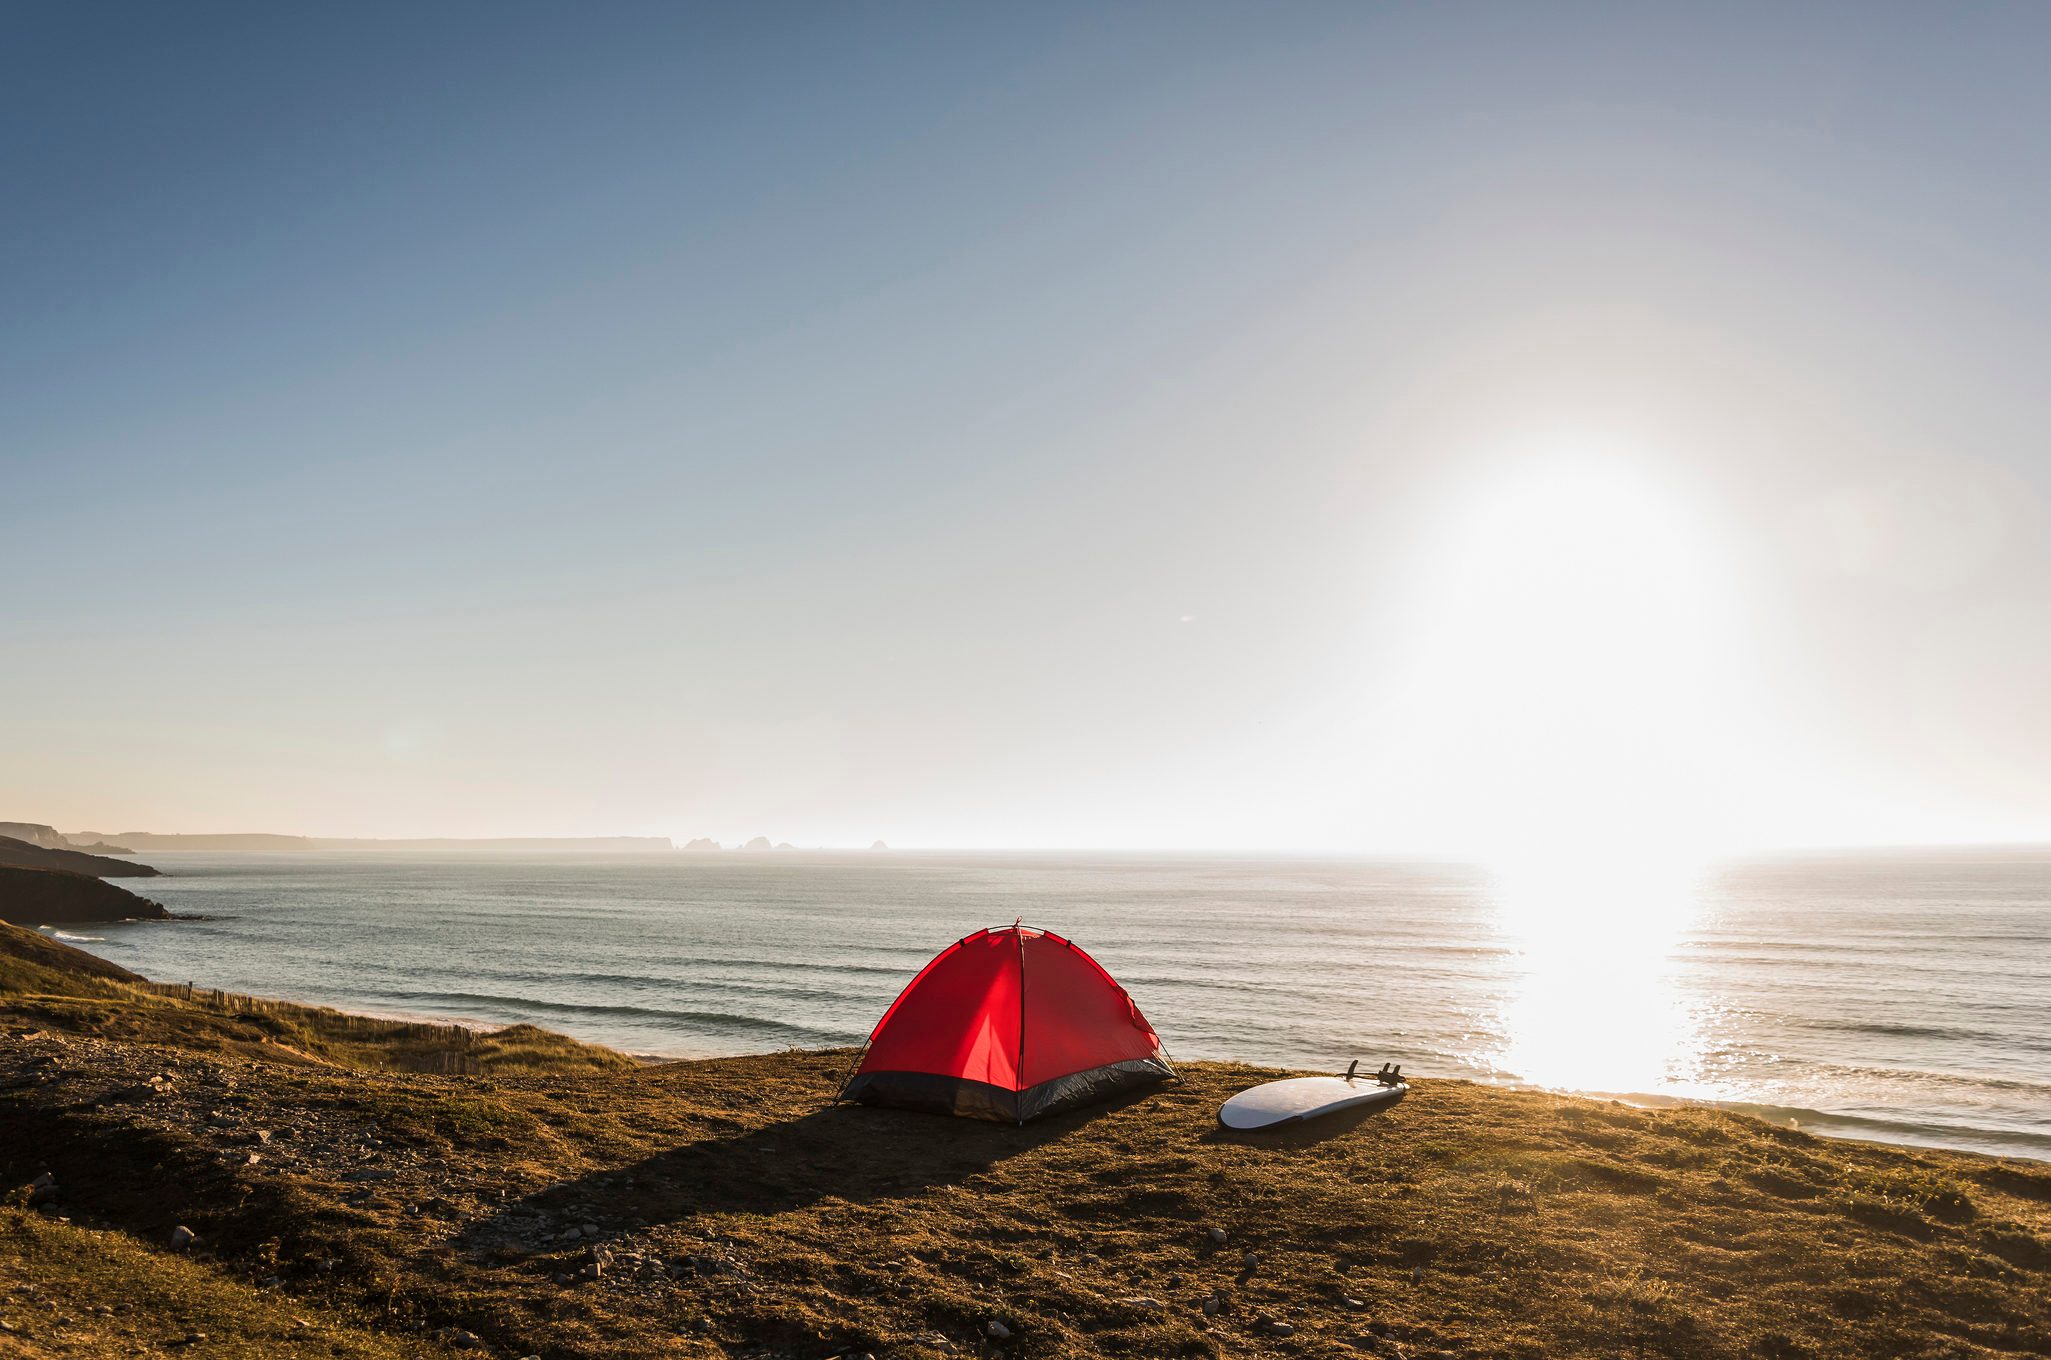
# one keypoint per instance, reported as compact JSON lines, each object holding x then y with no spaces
{"x":1351,"y":1068}
{"x":1389,"y":1076}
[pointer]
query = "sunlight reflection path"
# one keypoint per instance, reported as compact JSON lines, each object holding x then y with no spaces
{"x":1595,"y":1001}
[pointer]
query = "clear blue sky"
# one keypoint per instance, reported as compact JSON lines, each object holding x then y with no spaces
{"x":1045,"y":425}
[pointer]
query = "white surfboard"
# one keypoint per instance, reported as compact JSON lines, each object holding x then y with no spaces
{"x":1296,"y":1099}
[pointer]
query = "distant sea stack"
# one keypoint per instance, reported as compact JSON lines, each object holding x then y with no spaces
{"x":703,"y":843}
{"x":21,"y":854}
{"x":759,"y":843}
{"x":878,"y":845}
{"x":51,"y":897}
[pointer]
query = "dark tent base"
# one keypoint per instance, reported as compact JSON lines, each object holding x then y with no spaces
{"x":980,"y":1100}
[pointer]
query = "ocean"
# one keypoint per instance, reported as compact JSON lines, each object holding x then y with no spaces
{"x":1902,"y":996}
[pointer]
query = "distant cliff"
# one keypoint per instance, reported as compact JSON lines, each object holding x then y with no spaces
{"x":43,"y":897}
{"x":35,"y":833}
{"x":21,"y":854}
{"x":267,"y":843}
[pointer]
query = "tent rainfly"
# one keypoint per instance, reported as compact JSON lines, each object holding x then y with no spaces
{"x":1009,"y":1025}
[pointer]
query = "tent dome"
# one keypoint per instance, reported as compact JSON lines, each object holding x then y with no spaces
{"x":1008,"y":1025}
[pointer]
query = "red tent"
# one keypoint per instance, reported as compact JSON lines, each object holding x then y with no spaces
{"x":1009,"y":1025}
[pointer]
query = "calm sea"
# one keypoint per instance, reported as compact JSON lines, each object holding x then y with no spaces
{"x":1902,"y":996}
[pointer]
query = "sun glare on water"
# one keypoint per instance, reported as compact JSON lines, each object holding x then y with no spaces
{"x":1575,"y":704}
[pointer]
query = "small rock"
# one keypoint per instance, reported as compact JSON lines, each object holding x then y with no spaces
{"x":1217,"y":1236}
{"x":182,"y":1237}
{"x":263,"y":1135}
{"x":1142,"y":1301}
{"x":1417,"y":1274}
{"x":1211,"y":1305}
{"x":1270,"y":1327}
{"x":996,"y":1330}
{"x":1355,"y":1304}
{"x":1249,"y":1261}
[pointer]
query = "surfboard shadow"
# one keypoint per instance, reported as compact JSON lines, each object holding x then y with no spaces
{"x":1303,"y":1133}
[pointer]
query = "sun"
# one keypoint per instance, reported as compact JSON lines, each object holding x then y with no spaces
{"x":1569,"y":693}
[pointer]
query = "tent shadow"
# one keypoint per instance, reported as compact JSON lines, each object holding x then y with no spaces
{"x":849,"y":1152}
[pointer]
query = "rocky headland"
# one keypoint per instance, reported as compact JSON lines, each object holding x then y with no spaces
{"x":35,"y":897}
{"x":21,"y":854}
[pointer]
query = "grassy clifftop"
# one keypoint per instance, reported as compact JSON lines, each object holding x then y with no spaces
{"x":724,"y":1208}
{"x":70,"y":992}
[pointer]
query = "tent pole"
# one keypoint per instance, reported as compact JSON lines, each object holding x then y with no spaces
{"x":1018,"y":935}
{"x":853,"y":1066}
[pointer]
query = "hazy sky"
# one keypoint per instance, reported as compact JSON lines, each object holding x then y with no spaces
{"x":1354,"y":427}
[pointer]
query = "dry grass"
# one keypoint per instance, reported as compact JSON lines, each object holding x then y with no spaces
{"x":68,"y":1291}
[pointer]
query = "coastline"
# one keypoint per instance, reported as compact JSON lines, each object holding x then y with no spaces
{"x":1889,"y":1132}
{"x":212,"y":1166}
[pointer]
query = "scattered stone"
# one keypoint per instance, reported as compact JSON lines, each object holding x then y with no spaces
{"x":1142,"y":1301}
{"x":1270,"y":1327}
{"x":1217,"y":1236}
{"x":182,"y":1237}
{"x":1355,"y":1304}
{"x":1417,"y":1274}
{"x":1211,"y":1304}
{"x":43,"y":1189}
{"x":263,"y":1135}
{"x":996,"y":1330}
{"x":1249,"y":1261}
